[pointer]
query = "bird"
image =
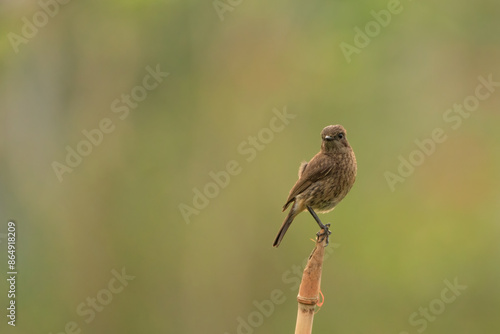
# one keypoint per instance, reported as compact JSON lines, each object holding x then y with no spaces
{"x":323,"y":181}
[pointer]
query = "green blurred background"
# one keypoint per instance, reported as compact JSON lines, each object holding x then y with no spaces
{"x":392,"y":249}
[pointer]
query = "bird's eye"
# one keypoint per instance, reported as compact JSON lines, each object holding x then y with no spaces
{"x":340,"y":136}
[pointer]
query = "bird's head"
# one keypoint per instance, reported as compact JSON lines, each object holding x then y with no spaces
{"x":334,"y":139}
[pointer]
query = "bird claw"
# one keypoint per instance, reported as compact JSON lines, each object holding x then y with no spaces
{"x":324,"y":233}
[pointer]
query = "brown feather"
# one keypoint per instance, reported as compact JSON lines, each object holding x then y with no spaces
{"x":319,"y":167}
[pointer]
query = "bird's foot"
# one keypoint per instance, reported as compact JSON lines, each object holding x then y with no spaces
{"x":324,"y":233}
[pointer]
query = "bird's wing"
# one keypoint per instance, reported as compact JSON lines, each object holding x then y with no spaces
{"x":302,"y":168}
{"x":313,"y":171}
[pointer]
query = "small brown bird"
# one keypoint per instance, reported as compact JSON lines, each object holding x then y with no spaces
{"x":324,"y":181}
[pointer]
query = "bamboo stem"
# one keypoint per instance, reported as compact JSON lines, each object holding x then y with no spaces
{"x":309,"y":289}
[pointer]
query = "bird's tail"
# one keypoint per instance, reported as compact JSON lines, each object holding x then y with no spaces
{"x":284,"y":227}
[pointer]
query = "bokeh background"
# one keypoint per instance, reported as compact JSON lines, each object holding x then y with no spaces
{"x":231,"y":68}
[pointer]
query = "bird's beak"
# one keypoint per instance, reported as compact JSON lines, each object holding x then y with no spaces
{"x":329,"y":138}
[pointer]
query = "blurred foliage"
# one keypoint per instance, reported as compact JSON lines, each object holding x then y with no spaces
{"x":119,"y":208}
